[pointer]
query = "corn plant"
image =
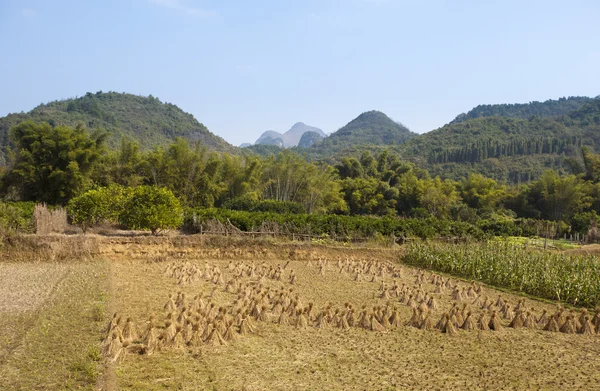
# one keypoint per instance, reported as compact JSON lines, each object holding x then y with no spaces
{"x":556,"y":276}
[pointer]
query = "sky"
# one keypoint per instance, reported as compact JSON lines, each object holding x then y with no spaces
{"x":242,"y":67}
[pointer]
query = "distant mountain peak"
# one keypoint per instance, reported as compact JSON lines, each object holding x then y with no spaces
{"x":289,"y":139}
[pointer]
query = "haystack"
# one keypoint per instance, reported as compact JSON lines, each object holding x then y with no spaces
{"x":518,"y":321}
{"x":351,"y":318}
{"x":343,"y":323}
{"x":483,"y":323}
{"x":195,"y":339}
{"x":264,"y":315}
{"x":414,"y":321}
{"x":494,"y":323}
{"x":469,"y":323}
{"x":508,"y":313}
{"x":170,"y":305}
{"x":426,"y":323}
{"x":569,"y":326}
{"x":246,"y":327}
{"x":543,"y":319}
{"x":302,"y":321}
{"x":321,"y":320}
{"x":284,"y":319}
{"x":229,"y":334}
{"x":113,"y":348}
{"x":129,"y":332}
{"x":178,"y":340}
{"x":169,"y":331}
{"x":374,"y":324}
{"x":215,"y":339}
{"x":500,"y":302}
{"x":529,"y":322}
{"x":180,"y":302}
{"x":552,"y":324}
{"x":441,"y":324}
{"x":448,"y":327}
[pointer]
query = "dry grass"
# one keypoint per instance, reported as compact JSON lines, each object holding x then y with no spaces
{"x":48,"y":221}
{"x":287,"y":358}
{"x":54,"y":305}
{"x":50,"y":324}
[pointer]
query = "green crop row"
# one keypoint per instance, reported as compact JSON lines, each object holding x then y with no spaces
{"x":550,"y":275}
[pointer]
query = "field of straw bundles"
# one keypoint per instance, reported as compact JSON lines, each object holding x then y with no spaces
{"x":190,"y":313}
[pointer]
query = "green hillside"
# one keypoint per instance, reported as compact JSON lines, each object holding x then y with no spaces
{"x":368,"y":129}
{"x":508,"y":149}
{"x":146,"y":120}
{"x":549,"y":108}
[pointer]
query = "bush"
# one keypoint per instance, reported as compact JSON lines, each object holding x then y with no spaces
{"x":15,"y":219}
{"x":151,"y":208}
{"x":333,"y":225}
{"x":97,"y":206}
{"x":250,"y":205}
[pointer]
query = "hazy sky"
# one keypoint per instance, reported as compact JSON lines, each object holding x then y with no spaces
{"x":242,"y":67}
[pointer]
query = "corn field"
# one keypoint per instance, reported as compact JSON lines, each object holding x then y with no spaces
{"x":570,"y":279}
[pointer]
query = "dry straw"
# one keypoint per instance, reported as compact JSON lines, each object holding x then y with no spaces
{"x":48,"y":221}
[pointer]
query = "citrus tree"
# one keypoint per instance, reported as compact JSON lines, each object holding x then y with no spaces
{"x":96,"y":206}
{"x":151,"y":208}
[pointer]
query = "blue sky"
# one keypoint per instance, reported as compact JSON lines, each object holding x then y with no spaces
{"x":242,"y":67}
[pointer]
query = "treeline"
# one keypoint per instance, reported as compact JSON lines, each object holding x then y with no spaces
{"x":549,"y":108}
{"x":482,"y":150}
{"x":57,"y":164}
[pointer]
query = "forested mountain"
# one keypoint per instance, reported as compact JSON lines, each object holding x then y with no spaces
{"x":270,"y":137}
{"x":369,"y":128}
{"x":549,"y":108}
{"x":308,"y":139}
{"x":289,"y":139}
{"x":507,"y":149}
{"x":145,"y":120}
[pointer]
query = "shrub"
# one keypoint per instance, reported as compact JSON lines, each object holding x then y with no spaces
{"x":97,"y":206}
{"x":151,"y":208}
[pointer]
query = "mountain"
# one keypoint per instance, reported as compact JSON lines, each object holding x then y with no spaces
{"x":372,"y":128}
{"x":508,"y":149}
{"x":245,"y":145}
{"x":308,"y":139}
{"x":292,"y":137}
{"x":289,"y":139}
{"x":549,"y":108}
{"x":146,"y":120}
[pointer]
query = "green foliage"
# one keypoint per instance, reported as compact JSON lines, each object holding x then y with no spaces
{"x":251,"y":205}
{"x":51,"y":164}
{"x":308,"y":139}
{"x":151,"y":208}
{"x":372,"y":127}
{"x":100,"y":205}
{"x":15,"y":218}
{"x":572,"y":279}
{"x":549,"y":108}
{"x":146,"y":120}
{"x":334,"y":225}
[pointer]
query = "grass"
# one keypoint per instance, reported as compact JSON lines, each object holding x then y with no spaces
{"x":55,"y":346}
{"x":285,"y":358}
{"x":59,"y":349}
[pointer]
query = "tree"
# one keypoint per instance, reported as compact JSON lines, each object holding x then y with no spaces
{"x":152,"y":208}
{"x":51,"y":164}
{"x":481,"y":193}
{"x":98,"y":205}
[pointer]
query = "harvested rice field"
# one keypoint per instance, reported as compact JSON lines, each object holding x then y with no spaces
{"x":230,"y":315}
